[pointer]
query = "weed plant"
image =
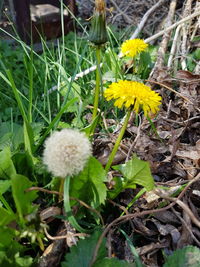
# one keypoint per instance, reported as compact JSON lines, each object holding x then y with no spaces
{"x":40,"y":96}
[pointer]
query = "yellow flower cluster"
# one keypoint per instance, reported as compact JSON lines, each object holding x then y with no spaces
{"x":135,"y":95}
{"x":133,"y":47}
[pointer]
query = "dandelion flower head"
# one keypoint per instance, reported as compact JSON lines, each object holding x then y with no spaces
{"x":66,"y":152}
{"x":133,"y":47}
{"x":135,"y":95}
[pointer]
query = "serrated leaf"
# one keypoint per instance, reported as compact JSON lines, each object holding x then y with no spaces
{"x":185,"y":257}
{"x":7,"y":168}
{"x":89,"y":184}
{"x":23,"y":200}
{"x":81,"y":255}
{"x":113,"y":262}
{"x":136,"y":171}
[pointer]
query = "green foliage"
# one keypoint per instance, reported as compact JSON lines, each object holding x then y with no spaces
{"x":11,"y":251}
{"x":89,"y":185}
{"x":4,"y":186}
{"x":6,"y":216}
{"x":110,"y":262}
{"x":192,"y":59}
{"x":145,"y":65}
{"x":135,"y":171}
{"x":7,"y":168}
{"x":11,"y":134}
{"x":81,"y":255}
{"x":186,"y":257}
{"x":23,"y":200}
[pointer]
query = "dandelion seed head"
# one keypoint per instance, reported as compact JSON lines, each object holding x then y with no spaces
{"x":133,"y":47}
{"x":66,"y":152}
{"x":135,"y":95}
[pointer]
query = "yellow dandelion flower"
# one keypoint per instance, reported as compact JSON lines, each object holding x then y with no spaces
{"x":133,"y":47}
{"x":135,"y":95}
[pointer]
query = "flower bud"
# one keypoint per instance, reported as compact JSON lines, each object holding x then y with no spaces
{"x":98,"y":34}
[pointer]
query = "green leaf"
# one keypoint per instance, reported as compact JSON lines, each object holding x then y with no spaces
{"x":12,"y":135}
{"x":91,"y":127}
{"x":144,"y":65}
{"x":118,"y":187}
{"x":5,"y":140}
{"x":23,"y":200}
{"x":185,"y":257}
{"x":113,"y":262}
{"x":21,"y":159}
{"x":25,"y":261}
{"x":4,"y":186}
{"x":136,"y":171}
{"x":7,"y":168}
{"x":89,"y":185}
{"x":197,"y":54}
{"x":7,"y":237}
{"x":5,"y":217}
{"x":10,"y":250}
{"x":81,"y":255}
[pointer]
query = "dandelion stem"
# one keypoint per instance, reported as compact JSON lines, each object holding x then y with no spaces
{"x":98,"y":80}
{"x":69,"y":215}
{"x":117,"y":143}
{"x":61,"y":189}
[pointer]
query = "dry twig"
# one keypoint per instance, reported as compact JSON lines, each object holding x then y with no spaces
{"x":164,"y":43}
{"x":145,"y":18}
{"x":69,"y":235}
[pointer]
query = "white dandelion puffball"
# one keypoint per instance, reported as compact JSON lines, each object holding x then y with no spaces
{"x":66,"y":152}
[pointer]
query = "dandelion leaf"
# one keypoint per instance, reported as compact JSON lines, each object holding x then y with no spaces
{"x":89,"y":184}
{"x":81,"y":255}
{"x":6,"y":165}
{"x":5,"y":216}
{"x":23,"y":200}
{"x":136,"y":171}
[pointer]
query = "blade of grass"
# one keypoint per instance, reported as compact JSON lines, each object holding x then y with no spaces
{"x":17,"y":96}
{"x":139,"y":194}
{"x":54,"y":121}
{"x":138,"y":262}
{"x":28,"y":133}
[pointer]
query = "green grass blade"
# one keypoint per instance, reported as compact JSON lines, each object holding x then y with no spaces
{"x":138,"y":262}
{"x":55,"y":120}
